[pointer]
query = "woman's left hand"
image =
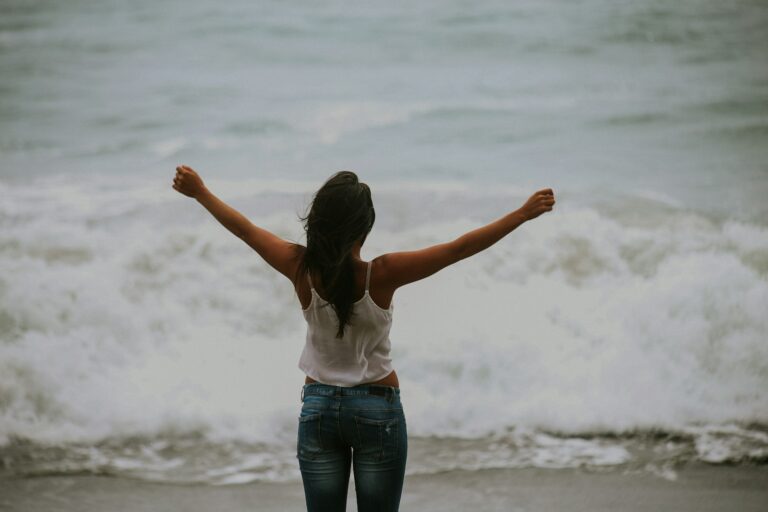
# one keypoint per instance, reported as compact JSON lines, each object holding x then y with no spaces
{"x":188,"y":182}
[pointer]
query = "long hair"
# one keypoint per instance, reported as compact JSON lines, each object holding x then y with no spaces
{"x":341,"y":213}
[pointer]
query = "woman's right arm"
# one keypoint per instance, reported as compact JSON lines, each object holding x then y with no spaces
{"x":401,"y":268}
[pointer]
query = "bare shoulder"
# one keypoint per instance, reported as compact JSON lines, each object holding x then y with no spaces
{"x":297,"y":253}
{"x":300,"y":283}
{"x":381,"y":288}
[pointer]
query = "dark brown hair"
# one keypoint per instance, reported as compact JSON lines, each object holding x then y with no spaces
{"x":341,"y":213}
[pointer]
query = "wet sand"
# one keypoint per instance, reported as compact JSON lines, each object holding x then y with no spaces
{"x":699,"y":488}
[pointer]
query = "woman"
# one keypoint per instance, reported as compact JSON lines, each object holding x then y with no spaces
{"x":351,"y":413}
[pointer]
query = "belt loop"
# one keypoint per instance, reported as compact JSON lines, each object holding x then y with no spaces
{"x":302,"y":393}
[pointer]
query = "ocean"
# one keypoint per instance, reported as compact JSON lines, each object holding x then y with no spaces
{"x":626,"y":330}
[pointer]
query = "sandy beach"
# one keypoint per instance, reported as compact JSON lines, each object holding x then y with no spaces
{"x":698,"y":488}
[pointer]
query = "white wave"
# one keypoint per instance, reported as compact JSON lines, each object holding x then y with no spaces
{"x":131,"y":312}
{"x":169,"y":147}
{"x":331,"y":120}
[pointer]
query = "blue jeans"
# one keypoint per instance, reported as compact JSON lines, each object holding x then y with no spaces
{"x":361,"y":426}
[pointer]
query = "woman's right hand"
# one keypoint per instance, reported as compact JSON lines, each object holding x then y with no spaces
{"x":540,"y":202}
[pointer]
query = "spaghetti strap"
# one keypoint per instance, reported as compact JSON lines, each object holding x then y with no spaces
{"x":368,"y":277}
{"x":310,"y":281}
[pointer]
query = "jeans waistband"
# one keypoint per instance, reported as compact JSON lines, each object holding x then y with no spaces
{"x":319,"y":389}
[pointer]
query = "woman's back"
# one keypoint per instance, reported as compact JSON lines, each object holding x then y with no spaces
{"x":361,"y":355}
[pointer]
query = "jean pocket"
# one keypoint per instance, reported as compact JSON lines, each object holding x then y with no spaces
{"x":377,"y":439}
{"x":309,"y":444}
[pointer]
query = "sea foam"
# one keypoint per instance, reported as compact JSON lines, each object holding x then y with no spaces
{"x":130,"y":313}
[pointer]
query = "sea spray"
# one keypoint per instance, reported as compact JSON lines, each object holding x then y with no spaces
{"x":127,"y":329}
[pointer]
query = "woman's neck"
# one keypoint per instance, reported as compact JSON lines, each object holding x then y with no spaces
{"x":355,"y":253}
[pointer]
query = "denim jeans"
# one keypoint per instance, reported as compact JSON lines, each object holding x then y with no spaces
{"x":361,"y":426}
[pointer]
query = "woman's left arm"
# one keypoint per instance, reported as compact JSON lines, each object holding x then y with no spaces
{"x":279,"y":253}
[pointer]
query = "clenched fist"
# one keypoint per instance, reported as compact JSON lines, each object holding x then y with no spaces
{"x":540,"y":202}
{"x":188,"y":182}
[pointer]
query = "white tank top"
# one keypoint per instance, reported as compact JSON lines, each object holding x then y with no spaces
{"x":361,"y":355}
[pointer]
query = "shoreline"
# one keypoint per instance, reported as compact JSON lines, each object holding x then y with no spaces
{"x":698,"y":487}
